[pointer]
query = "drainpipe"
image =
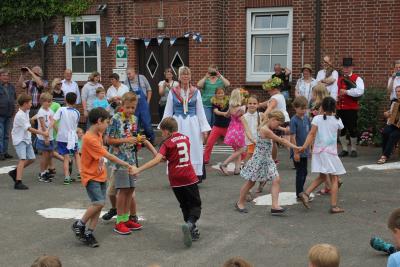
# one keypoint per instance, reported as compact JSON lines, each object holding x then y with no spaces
{"x":42,"y":50}
{"x":317,"y":34}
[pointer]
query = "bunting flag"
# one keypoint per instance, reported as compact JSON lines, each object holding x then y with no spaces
{"x":55,"y":38}
{"x":98,"y":40}
{"x":160,"y":40}
{"x":3,"y":51}
{"x":77,"y":40}
{"x":88,"y":41}
{"x":121,"y":40}
{"x":32,"y":44}
{"x":146,"y":42}
{"x":108,"y":40}
{"x":186,"y":34}
{"x":44,"y":39}
{"x":16,"y":49}
{"x":172,"y":41}
{"x":64,"y":40}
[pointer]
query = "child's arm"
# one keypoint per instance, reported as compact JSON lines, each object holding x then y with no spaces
{"x":286,"y":130}
{"x":247,"y":130}
{"x":157,"y":159}
{"x":115,"y":159}
{"x":119,"y":141}
{"x":36,"y":131}
{"x":43,"y":128}
{"x":270,"y":134}
{"x":271,"y":106}
{"x":296,"y":155}
{"x":310,"y":138}
{"x":150,"y":147}
{"x":219,"y":113}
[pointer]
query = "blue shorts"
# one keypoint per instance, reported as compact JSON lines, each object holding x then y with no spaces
{"x":24,"y":151}
{"x":97,"y":192}
{"x":62,"y":148}
{"x":41,"y":146}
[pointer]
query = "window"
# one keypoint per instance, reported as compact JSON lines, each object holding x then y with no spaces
{"x":268,"y":41}
{"x":82,"y":49}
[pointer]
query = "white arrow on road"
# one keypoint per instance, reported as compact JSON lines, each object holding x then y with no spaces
{"x":381,"y":167}
{"x":66,"y":213}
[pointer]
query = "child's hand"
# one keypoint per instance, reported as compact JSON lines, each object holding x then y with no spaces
{"x":131,"y":140}
{"x":46,"y":141}
{"x":301,"y":149}
{"x":46,"y":133}
{"x":253,"y":140}
{"x":133,"y":170}
{"x":296,"y":157}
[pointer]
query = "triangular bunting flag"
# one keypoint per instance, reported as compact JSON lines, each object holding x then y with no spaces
{"x":32,"y":44}
{"x":88,"y":41}
{"x":44,"y":39}
{"x":16,"y":49}
{"x":121,"y":40}
{"x":55,"y":38}
{"x":64,"y":40}
{"x":172,"y":41}
{"x":108,"y":40}
{"x":3,"y":51}
{"x":200,"y":39}
{"x":186,"y":34}
{"x":98,"y":40}
{"x":146,"y":42}
{"x":160,"y":40}
{"x":77,"y":40}
{"x":194,"y":36}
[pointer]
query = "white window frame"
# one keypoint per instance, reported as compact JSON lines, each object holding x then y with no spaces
{"x":252,"y":76}
{"x":71,"y":38}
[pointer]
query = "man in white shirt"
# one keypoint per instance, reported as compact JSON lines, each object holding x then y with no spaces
{"x":116,"y":91}
{"x":70,"y":86}
{"x":394,"y":81}
{"x":329,"y":76}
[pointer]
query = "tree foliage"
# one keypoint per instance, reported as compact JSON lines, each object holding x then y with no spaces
{"x":23,"y":11}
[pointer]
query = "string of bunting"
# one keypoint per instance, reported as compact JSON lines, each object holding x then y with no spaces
{"x":196,"y":36}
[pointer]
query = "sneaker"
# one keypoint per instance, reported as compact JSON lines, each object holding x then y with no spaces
{"x":134,"y":218}
{"x":20,"y":186}
{"x":67,"y":181}
{"x":8,"y":156}
{"x":13,"y":174}
{"x":122,"y":229}
{"x":78,"y":177}
{"x":195,"y":233}
{"x":111,"y":213}
{"x":78,"y":230}
{"x":133,"y":226}
{"x":44,"y":178}
{"x":343,"y":154}
{"x":89,"y":240}
{"x":187,"y":236}
{"x":380,"y":245}
{"x":353,"y":154}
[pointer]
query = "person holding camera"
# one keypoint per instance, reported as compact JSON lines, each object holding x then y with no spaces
{"x":210,"y":82}
{"x":164,"y":87}
{"x":115,"y":92}
{"x":284,"y":75}
{"x":394,"y":81}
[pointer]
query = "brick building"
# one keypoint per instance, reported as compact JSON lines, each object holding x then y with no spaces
{"x":243,"y":37}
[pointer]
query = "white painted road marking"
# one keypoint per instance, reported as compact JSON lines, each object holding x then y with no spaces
{"x":221,"y":149}
{"x":6,"y":169}
{"x":66,"y":213}
{"x":285,"y":199}
{"x":381,"y":167}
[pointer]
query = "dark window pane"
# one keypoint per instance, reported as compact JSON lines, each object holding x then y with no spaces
{"x":77,"y":27}
{"x":77,"y":65}
{"x":90,"y":27}
{"x":90,"y":65}
{"x":91,"y":50}
{"x":77,"y":50}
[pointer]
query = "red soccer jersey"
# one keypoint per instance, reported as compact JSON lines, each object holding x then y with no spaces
{"x":176,"y":150}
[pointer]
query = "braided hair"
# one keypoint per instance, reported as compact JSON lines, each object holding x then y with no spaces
{"x":329,"y":106}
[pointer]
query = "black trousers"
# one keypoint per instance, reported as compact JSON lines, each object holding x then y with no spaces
{"x":190,"y":202}
{"x":301,"y":174}
{"x":391,"y":135}
{"x":349,"y":118}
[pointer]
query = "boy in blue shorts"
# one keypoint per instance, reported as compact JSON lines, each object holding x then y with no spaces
{"x":67,"y":139}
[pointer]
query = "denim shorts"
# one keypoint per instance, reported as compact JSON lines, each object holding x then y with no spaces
{"x":97,"y":192}
{"x":24,"y":151}
{"x":41,"y":146}
{"x":122,"y":179}
{"x":63,"y":150}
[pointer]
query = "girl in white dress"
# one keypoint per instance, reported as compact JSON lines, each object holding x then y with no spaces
{"x":325,"y":160}
{"x":185,"y":105}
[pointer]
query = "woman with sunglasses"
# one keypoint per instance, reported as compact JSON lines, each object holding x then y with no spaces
{"x":56,"y":92}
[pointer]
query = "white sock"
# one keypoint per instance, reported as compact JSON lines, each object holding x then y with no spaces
{"x":353,"y":143}
{"x":43,"y":173}
{"x":343,"y":142}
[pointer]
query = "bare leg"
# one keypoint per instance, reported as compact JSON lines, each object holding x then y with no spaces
{"x":58,"y":156}
{"x":334,"y":189}
{"x":274,"y":151}
{"x":275,"y":193}
{"x":20,"y":167}
{"x":93,"y":221}
{"x":128,"y":201}
{"x":132,"y":209}
{"x":78,"y":162}
{"x":234,"y":156}
{"x":66,"y":165}
{"x":243,"y":192}
{"x":113,"y":201}
{"x":319,"y":180}
{"x":91,"y":212}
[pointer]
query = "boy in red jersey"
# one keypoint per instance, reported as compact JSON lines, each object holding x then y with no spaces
{"x":182,"y":178}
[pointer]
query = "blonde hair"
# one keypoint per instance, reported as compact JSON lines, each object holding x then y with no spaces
{"x":46,"y":97}
{"x":237,"y":262}
{"x":320,"y":92}
{"x":47,"y":261}
{"x":236,"y":98}
{"x":93,"y":75}
{"x":183,"y":70}
{"x":324,"y":255}
{"x":129,"y":97}
{"x":275,"y":114}
{"x":54,"y":83}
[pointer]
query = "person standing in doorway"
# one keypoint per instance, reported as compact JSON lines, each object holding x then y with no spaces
{"x":164,"y":87}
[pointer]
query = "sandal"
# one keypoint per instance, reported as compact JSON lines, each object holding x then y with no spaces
{"x":223,"y":169}
{"x":305,"y":198}
{"x":236,"y":172}
{"x":244,"y":210}
{"x":382,"y":160}
{"x":335,"y":209}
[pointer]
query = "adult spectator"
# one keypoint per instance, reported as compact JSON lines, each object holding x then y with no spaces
{"x":138,"y":84}
{"x":89,"y":92}
{"x":56,"y":92}
{"x":164,"y":87}
{"x":116,"y":91}
{"x":7,"y":107}
{"x":305,"y":84}
{"x":329,"y":77}
{"x":351,"y":87}
{"x":34,"y":86}
{"x":284,"y":75}
{"x":68,"y":85}
{"x":210,"y":82}
{"x":394,"y":81}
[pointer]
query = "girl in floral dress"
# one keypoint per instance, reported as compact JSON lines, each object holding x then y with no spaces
{"x":235,"y":135}
{"x":261,"y":167}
